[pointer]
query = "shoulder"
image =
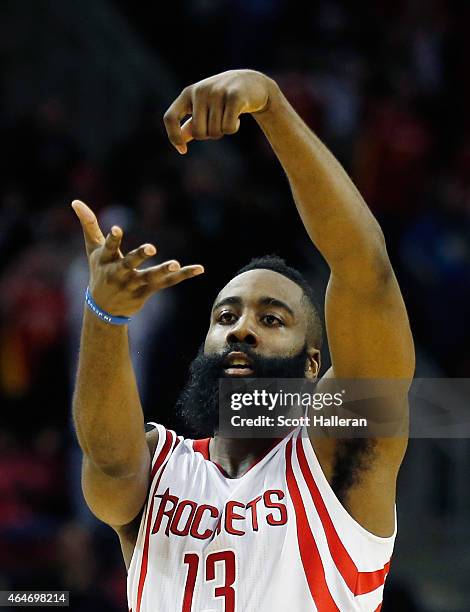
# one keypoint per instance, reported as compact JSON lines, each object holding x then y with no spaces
{"x":152,"y":440}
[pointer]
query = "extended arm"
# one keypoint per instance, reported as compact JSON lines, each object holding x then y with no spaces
{"x":109,"y":423}
{"x":106,"y":406}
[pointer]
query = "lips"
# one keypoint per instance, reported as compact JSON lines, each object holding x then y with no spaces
{"x":238,"y":364}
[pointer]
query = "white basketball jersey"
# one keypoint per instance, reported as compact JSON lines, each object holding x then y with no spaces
{"x":275,"y":540}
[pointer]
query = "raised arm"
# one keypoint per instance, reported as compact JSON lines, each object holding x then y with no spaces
{"x":367,"y":324}
{"x":107,"y":412}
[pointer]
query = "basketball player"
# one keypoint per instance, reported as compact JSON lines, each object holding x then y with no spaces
{"x":225,"y":525}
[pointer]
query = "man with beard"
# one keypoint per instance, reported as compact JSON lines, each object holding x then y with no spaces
{"x":219,"y":523}
{"x":198,"y":404}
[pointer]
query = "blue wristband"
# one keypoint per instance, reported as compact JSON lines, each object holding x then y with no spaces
{"x":102,"y":314}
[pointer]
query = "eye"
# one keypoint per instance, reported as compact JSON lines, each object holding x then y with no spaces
{"x":272,"y":321}
{"x":226,"y":318}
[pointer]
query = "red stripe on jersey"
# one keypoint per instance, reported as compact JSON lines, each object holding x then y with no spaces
{"x":309,"y":554}
{"x":358,"y":582}
{"x":143,"y":568}
{"x":378,"y":608}
{"x":202,"y":446}
{"x":163,"y":453}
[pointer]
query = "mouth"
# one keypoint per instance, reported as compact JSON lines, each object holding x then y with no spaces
{"x":238,"y":364}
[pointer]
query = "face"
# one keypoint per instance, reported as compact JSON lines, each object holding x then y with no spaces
{"x":258,"y":328}
{"x":262,"y":309}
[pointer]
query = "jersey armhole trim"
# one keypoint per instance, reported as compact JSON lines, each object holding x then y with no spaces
{"x":167,"y":442}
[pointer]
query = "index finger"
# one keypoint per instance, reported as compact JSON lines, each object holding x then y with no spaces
{"x":168,"y":274}
{"x":181,"y":107}
{"x":91,"y":230}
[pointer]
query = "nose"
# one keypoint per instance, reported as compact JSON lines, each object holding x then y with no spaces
{"x":242,"y":333}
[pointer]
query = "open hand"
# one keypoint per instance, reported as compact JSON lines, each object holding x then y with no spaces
{"x":215,"y":105}
{"x":116,"y":284}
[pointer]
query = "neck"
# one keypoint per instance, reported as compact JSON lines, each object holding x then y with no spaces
{"x":237,"y":455}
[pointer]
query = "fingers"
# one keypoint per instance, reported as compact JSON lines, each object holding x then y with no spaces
{"x":91,"y":230}
{"x":187,"y":133}
{"x":167,"y":274}
{"x":137,"y":257}
{"x":123,"y":271}
{"x":199,"y":115}
{"x":182,"y":274}
{"x":110,"y":250}
{"x":181,"y":107}
{"x":214,"y":122}
{"x":230,"y":123}
{"x":214,"y":112}
{"x":230,"y":120}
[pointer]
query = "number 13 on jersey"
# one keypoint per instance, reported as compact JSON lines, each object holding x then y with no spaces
{"x":195,"y":563}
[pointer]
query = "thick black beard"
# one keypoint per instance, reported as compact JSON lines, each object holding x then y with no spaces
{"x":198,"y":403}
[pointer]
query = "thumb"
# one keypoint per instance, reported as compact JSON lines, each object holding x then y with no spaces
{"x":91,"y":230}
{"x":187,"y":134}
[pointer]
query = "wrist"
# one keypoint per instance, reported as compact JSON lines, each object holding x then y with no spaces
{"x":272,"y":102}
{"x":96,"y":327}
{"x":103,"y":315}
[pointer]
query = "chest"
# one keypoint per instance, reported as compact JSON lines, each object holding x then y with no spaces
{"x":194,"y":500}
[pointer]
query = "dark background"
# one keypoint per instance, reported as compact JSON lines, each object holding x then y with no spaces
{"x":83,"y":87}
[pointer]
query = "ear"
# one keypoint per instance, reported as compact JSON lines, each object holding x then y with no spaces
{"x":313,"y":363}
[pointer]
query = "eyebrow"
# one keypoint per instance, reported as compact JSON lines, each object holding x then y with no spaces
{"x":263,"y":301}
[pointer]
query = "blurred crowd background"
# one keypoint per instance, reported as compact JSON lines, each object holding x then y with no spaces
{"x":83,"y":87}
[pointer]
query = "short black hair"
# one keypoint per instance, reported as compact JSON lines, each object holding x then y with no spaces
{"x":277,"y":264}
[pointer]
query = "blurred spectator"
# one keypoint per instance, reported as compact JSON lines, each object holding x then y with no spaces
{"x":32,"y":327}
